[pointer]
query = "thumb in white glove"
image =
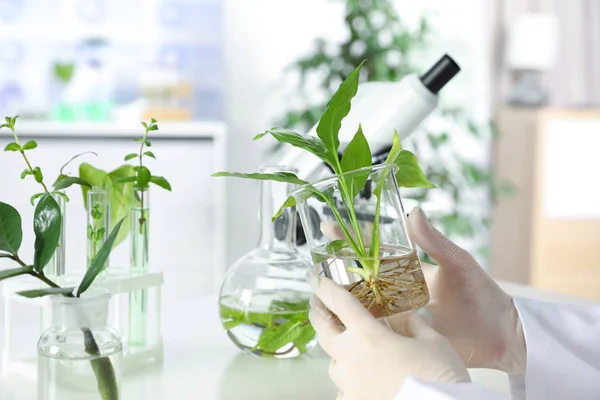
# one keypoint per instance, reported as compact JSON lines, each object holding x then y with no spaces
{"x":371,"y":361}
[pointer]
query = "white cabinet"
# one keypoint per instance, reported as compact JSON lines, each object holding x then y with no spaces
{"x":187,"y":224}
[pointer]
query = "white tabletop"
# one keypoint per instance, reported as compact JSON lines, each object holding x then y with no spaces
{"x":201,"y":363}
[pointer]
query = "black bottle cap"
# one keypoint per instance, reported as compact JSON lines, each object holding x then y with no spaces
{"x":440,"y":74}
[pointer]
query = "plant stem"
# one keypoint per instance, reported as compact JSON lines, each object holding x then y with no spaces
{"x":25,"y":158}
{"x":16,"y":258}
{"x":348,"y":202}
{"x":44,"y":279}
{"x":38,"y":275}
{"x":142,"y":219}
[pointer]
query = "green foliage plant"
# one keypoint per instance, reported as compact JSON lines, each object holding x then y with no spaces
{"x":122,"y":181}
{"x":47,"y":221}
{"x":352,"y":171}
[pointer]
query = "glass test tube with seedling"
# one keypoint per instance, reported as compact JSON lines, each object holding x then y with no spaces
{"x":140,"y":219}
{"x":98,"y":222}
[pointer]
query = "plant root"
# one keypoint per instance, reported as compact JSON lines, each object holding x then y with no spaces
{"x":400,"y":286}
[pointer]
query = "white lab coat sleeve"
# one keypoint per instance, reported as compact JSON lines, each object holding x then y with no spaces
{"x":563,"y":351}
{"x":419,"y":389}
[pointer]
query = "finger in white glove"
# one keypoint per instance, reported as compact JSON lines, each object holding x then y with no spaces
{"x":467,"y":306}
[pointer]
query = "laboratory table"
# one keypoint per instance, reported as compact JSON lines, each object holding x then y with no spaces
{"x":201,"y":363}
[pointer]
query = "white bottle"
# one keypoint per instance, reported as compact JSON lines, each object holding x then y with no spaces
{"x":381,"y":107}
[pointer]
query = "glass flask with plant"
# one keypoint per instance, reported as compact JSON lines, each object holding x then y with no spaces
{"x":362,"y":240}
{"x":263,"y":300}
{"x":140,"y":232}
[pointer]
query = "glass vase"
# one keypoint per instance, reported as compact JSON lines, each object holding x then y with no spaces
{"x":379,"y":266}
{"x":264,"y":297}
{"x":98,"y":222}
{"x":138,"y":300}
{"x":56,"y":266}
{"x":79,"y":356}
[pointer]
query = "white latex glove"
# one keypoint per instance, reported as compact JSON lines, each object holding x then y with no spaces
{"x":369,"y":360}
{"x":467,"y":306}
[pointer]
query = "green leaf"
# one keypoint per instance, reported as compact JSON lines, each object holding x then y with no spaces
{"x":143,"y":177}
{"x":37,"y":174}
{"x":34,"y":197}
{"x":286,"y":177}
{"x":145,"y":125}
{"x":130,"y":156}
{"x":126,"y":179}
{"x":260,"y":135}
{"x":47,"y":225}
{"x":61,"y":194}
{"x":161,"y":181}
{"x":64,"y":182}
{"x":148,"y":143}
{"x":153,"y":128}
{"x":11,"y":273}
{"x":356,"y":156}
{"x":298,"y":308}
{"x":338,"y":108}
{"x":98,"y":263}
{"x":289,"y":202}
{"x":231,"y":317}
{"x":409,"y":173}
{"x":32,"y":294}
{"x":12,"y":147}
{"x":121,"y":193}
{"x":277,"y":336}
{"x":152,"y":121}
{"x":396,"y":148}
{"x":11,"y":232}
{"x":306,"y":335}
{"x":25,"y":173}
{"x":312,"y":144}
{"x":335,"y":246}
{"x":139,"y":139}
{"x":30,"y":145}
{"x":150,"y":154}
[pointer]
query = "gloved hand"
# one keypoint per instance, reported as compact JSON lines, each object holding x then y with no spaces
{"x":467,"y":306}
{"x":369,"y":360}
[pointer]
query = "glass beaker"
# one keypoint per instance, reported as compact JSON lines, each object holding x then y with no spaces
{"x":379,"y":265}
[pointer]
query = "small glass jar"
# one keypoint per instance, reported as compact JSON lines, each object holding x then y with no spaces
{"x":380,"y":265}
{"x":264,"y":297}
{"x":79,"y":356}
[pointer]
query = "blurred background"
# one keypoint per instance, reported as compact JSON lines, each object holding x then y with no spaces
{"x":512,"y":146}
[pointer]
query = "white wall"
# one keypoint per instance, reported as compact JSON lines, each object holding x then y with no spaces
{"x":264,"y":36}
